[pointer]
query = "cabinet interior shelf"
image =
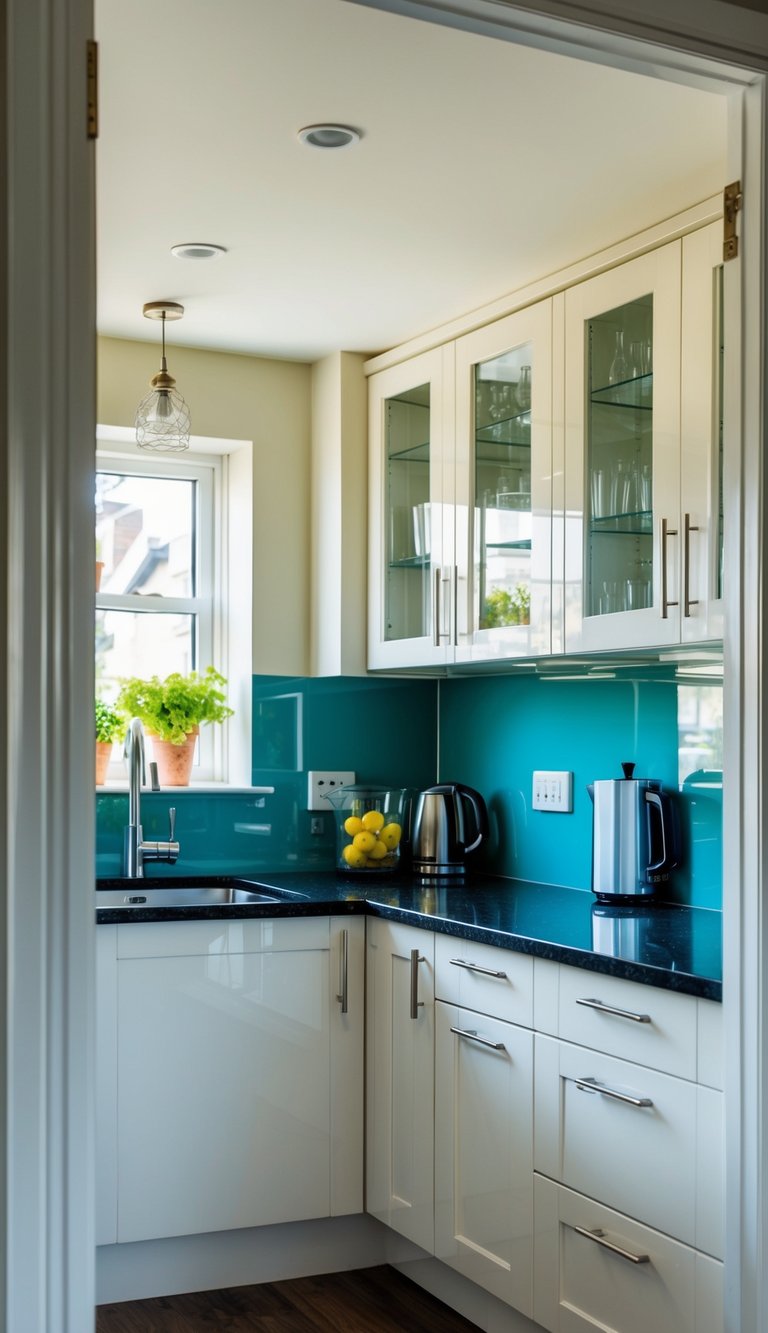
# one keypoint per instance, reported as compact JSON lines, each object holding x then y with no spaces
{"x":636,"y":394}
{"x":510,"y":430}
{"x":415,"y":453}
{"x":639,"y":524}
{"x":411,"y":562}
{"x":524,"y":545}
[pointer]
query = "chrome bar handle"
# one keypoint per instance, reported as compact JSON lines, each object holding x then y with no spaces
{"x":666,"y":532}
{"x":598,"y":1236}
{"x":475,"y":967}
{"x":343,"y":996}
{"x":473,"y":1036}
{"x":592,"y":1085}
{"x":688,"y":601}
{"x":618,"y":1013}
{"x":455,"y":576}
{"x":416,"y":1003}
{"x":437,"y":591}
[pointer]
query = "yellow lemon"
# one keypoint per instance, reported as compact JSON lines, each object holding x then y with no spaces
{"x":364,"y":841}
{"x":373,"y":820}
{"x":378,"y":850}
{"x":354,"y":858}
{"x":353,"y":825}
{"x":390,"y":835}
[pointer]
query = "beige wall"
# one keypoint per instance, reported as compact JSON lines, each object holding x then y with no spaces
{"x":243,"y":398}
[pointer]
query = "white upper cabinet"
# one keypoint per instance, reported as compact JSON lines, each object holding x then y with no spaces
{"x":552,"y":482}
{"x":643,"y":460}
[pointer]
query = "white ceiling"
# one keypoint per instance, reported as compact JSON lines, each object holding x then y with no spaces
{"x":483,"y":165}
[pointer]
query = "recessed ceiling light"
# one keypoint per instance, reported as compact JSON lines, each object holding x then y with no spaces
{"x":198,"y":250}
{"x":329,"y":136}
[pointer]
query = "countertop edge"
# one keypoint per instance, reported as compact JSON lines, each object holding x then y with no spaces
{"x":662,"y":978}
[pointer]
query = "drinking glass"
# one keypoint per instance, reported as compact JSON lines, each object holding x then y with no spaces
{"x":619,"y":369}
{"x":646,"y":488}
{"x":523,"y":390}
{"x":597,"y":481}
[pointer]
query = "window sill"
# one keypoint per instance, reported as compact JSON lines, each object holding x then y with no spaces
{"x":194,"y":789}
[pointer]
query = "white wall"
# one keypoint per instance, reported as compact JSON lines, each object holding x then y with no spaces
{"x":245,"y":398}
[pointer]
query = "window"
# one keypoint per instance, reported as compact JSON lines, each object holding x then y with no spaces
{"x":155,"y":533}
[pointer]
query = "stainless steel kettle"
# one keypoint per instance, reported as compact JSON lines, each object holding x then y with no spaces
{"x":634,"y":843}
{"x":449,"y":822}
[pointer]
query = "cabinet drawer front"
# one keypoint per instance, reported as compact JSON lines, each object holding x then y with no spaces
{"x":483,"y":1151}
{"x":620,"y":1133}
{"x":484,"y":978}
{"x":653,"y":1027}
{"x":175,"y":939}
{"x":585,"y":1282}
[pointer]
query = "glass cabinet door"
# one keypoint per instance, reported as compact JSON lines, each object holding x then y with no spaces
{"x":623,"y":538}
{"x":619,"y":462}
{"x":503,"y":487}
{"x":409,"y":609}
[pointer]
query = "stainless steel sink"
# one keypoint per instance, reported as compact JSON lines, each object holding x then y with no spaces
{"x":183,"y":895}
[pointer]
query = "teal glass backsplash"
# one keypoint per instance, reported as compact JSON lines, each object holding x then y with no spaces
{"x":490,"y":732}
{"x":383,"y":729}
{"x":495,"y":730}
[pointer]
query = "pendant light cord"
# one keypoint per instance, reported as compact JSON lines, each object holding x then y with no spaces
{"x":163,"y":364}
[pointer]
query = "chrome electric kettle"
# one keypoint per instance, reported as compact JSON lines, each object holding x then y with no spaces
{"x":635,"y":839}
{"x":449,"y":822}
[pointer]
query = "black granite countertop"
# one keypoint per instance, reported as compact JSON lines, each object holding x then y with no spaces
{"x":678,"y":948}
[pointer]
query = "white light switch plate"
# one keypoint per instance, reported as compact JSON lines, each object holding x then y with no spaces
{"x":322,"y":781}
{"x":553,"y":791}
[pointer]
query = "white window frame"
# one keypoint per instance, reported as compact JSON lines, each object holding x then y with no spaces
{"x":223,"y":472}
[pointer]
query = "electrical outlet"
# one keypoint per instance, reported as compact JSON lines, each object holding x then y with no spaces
{"x":553,"y":791}
{"x":320,"y":783}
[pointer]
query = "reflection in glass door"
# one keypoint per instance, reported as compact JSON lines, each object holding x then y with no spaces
{"x":407,"y":514}
{"x":502,"y":537}
{"x":619,"y":460}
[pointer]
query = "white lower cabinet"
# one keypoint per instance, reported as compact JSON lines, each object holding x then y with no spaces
{"x":483,"y":1151}
{"x":400,"y":1079}
{"x":238,"y":1077}
{"x":598,"y":1269}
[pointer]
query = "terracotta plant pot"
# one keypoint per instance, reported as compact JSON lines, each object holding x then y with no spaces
{"x":99,"y":568}
{"x":174,"y":762}
{"x":103,"y":756}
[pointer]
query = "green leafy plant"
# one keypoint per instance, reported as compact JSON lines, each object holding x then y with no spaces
{"x":507,"y":608}
{"x":111,"y":723}
{"x":172,"y":708}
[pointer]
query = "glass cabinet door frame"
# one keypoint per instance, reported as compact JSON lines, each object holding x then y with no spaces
{"x":657,"y":274}
{"x":703,"y":427}
{"x":434,"y":648}
{"x":543,"y":634}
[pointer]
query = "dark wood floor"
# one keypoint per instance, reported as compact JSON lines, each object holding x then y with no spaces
{"x":370,"y":1300}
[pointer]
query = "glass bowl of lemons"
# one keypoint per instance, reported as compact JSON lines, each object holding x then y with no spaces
{"x":369,"y":828}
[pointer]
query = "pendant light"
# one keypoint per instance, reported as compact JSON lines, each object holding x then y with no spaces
{"x":162,"y":418}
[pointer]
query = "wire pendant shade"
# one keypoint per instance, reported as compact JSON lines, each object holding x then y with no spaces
{"x":162,"y":417}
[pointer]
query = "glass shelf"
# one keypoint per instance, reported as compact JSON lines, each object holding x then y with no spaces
{"x":636,"y":394}
{"x":511,"y":430}
{"x":411,"y":562}
{"x":416,"y":453}
{"x":523,"y":545}
{"x":638,"y":524}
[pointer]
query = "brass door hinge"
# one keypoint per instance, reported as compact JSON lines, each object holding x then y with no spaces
{"x":92,"y":89}
{"x":732,"y":201}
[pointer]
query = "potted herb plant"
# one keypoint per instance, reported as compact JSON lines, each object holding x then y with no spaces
{"x":172,"y":710}
{"x":110,"y":727}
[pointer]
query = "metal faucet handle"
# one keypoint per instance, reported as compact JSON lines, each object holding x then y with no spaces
{"x":171,"y":823}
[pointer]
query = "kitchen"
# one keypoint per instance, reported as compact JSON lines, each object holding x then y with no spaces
{"x":498,"y":704}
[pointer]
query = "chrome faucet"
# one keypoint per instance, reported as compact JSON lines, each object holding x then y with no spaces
{"x":135,"y":850}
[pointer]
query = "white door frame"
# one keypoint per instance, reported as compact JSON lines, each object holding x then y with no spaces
{"x":46,"y":759}
{"x":46,"y":771}
{"x":737,"y":39}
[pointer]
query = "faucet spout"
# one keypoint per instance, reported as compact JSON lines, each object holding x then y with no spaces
{"x":135,"y":850}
